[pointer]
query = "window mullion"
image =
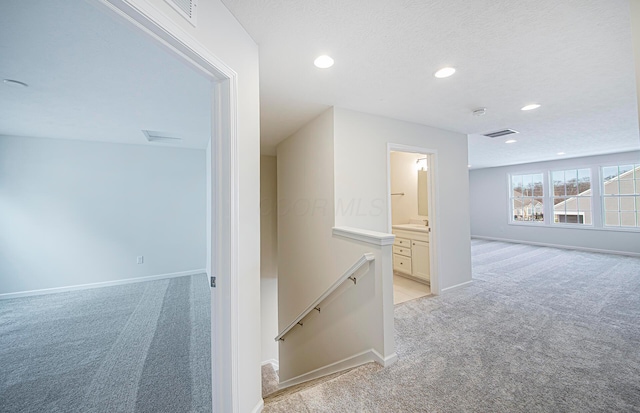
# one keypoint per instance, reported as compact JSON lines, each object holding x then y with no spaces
{"x":547,"y":198}
{"x":597,"y":200}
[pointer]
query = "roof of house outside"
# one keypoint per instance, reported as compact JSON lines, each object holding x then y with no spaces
{"x":573,"y":199}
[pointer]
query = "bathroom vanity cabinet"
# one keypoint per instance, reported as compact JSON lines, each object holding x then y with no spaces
{"x":411,"y":251}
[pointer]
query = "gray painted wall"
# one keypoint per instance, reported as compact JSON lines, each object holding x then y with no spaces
{"x":489,"y":196}
{"x":74,"y":212}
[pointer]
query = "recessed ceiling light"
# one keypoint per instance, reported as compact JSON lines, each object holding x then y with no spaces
{"x":560,"y":153}
{"x":15,"y":83}
{"x":323,"y":62}
{"x":530,"y":107}
{"x":468,"y":166}
{"x":444,"y":72}
{"x":511,"y":141}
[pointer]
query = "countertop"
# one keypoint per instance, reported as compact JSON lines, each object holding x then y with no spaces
{"x":411,"y":227}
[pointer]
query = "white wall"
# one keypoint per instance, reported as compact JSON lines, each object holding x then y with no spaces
{"x":305,"y":216}
{"x":334,"y":172}
{"x":635,"y":29}
{"x":361,"y":183}
{"x":351,"y":326}
{"x":269,"y":256}
{"x":220,"y":34}
{"x":404,"y":179}
{"x":75,"y":212}
{"x":209,"y":213}
{"x":489,"y":197}
{"x":305,"y":221}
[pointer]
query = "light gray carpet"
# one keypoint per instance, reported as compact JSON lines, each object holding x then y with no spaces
{"x":141,"y":347}
{"x":269,"y":379}
{"x":539,"y":330}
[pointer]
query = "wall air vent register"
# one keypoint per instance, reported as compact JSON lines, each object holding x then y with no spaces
{"x":187,"y":9}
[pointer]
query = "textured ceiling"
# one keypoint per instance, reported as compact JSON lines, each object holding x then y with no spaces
{"x":574,"y":57}
{"x":92,"y":77}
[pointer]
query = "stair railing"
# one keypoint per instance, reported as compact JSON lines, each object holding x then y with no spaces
{"x":348,"y":275}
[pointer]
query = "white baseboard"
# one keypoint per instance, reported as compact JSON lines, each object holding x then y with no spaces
{"x":344,"y":364}
{"x":258,"y":407}
{"x":385,"y":361}
{"x":275,"y":363}
{"x":412,"y":278}
{"x":565,"y":247}
{"x":455,"y":287}
{"x":100,"y":284}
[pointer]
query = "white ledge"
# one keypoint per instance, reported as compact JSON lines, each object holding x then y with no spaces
{"x":364,"y":235}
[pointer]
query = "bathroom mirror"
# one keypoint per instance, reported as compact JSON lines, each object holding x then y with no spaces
{"x":423,"y":193}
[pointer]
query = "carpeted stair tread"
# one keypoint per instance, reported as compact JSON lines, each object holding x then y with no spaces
{"x":269,"y":379}
{"x":286,"y":392}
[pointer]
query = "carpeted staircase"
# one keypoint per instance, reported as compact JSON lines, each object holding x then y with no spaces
{"x":270,"y":380}
{"x":271,"y":393}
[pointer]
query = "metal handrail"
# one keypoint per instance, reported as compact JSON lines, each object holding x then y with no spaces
{"x":348,"y":275}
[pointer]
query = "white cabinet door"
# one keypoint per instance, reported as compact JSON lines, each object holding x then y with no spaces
{"x":402,"y":264}
{"x":420,"y":259}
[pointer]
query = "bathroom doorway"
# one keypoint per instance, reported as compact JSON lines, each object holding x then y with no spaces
{"x":411,"y":219}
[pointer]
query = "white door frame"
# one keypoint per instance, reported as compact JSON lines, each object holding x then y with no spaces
{"x":434,"y":206}
{"x":222,"y":193}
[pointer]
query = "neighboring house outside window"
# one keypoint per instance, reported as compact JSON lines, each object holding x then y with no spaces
{"x":569,"y":196}
{"x":527,"y":198}
{"x":572,"y":197}
{"x":621,"y":196}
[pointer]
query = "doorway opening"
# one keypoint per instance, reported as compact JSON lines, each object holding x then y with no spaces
{"x":222,"y":196}
{"x":412,"y":220}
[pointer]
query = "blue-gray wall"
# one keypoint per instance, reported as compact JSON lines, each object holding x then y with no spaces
{"x":489,"y":197}
{"x":75,"y":212}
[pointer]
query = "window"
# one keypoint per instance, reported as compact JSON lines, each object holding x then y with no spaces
{"x":572,"y":196}
{"x":527,"y":198}
{"x":569,"y":197}
{"x":621,"y":196}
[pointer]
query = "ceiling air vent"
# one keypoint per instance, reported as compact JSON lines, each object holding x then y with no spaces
{"x":499,"y":133}
{"x":187,"y":9}
{"x":161,"y":137}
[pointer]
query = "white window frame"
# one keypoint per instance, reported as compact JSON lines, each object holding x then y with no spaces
{"x":552,"y":197}
{"x":597,"y":198}
{"x":510,"y":199}
{"x":604,"y":196}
